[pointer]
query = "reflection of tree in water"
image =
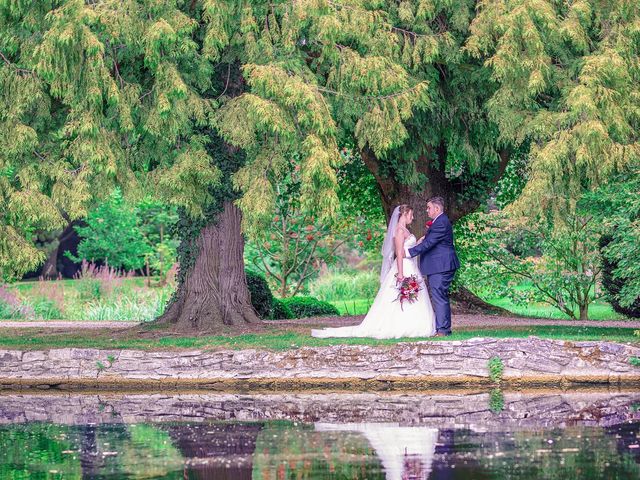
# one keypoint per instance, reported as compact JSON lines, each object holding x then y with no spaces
{"x":588,"y":453}
{"x":88,"y":451}
{"x":627,"y":437}
{"x":37,"y":447}
{"x":91,"y":461}
{"x":285,"y":450}
{"x":208,"y":447}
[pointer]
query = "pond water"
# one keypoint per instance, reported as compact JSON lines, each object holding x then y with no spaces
{"x":393,"y":436}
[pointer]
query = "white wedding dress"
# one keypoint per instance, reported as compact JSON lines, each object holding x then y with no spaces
{"x":405,"y":452}
{"x":386,"y":318}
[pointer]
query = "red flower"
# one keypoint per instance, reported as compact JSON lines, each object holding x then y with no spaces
{"x":428,"y":224}
{"x":309,"y":237}
{"x":408,"y":290}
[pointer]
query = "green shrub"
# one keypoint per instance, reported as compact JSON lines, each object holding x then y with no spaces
{"x":613,"y":284}
{"x":280,"y":311}
{"x":496,"y":400}
{"x":122,"y":310}
{"x":345,"y":286}
{"x":302,"y":307}
{"x":496,"y":368}
{"x":7,"y":312}
{"x":261,"y":296}
{"x":46,"y":309}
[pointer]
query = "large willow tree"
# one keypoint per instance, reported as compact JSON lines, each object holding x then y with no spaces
{"x":439,"y":95}
{"x":105,"y":93}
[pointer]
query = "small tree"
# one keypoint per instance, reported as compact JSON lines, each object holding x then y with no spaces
{"x":112,"y":235}
{"x":290,"y":248}
{"x":157,"y":222}
{"x":500,"y":254}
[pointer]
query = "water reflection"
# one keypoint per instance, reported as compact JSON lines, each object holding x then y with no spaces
{"x":405,"y":452}
{"x":224,"y":436}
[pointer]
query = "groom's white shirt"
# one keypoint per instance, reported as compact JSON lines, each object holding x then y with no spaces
{"x":406,"y":249}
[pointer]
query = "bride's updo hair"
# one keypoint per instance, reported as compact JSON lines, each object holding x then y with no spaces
{"x":402,"y":209}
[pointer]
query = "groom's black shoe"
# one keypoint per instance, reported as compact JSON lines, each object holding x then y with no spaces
{"x":441,"y":334}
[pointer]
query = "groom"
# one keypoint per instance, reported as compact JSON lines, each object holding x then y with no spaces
{"x":438,"y":262}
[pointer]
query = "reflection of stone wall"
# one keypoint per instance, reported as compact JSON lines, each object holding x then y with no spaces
{"x":526,"y":360}
{"x":521,"y":410}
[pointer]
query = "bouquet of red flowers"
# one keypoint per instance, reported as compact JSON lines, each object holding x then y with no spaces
{"x":408,"y":290}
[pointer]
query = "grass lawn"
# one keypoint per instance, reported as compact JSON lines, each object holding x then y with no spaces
{"x":279,"y":338}
{"x":597,"y":310}
{"x":358,"y":306}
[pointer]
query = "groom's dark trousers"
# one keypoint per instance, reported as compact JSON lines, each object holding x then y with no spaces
{"x":439,"y":284}
{"x":438,"y":262}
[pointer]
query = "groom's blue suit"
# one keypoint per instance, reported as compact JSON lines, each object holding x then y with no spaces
{"x":439,"y":262}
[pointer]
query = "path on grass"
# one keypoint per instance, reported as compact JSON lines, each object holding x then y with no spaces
{"x":459,"y":321}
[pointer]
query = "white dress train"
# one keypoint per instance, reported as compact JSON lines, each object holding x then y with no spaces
{"x":386,"y":318}
{"x":405,"y":452}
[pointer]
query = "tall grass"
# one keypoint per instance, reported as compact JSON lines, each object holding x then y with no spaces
{"x":134,"y":304}
{"x":97,"y":293}
{"x":12,"y":307}
{"x":337,"y":286}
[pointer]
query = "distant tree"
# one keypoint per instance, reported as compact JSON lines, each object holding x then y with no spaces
{"x":112,"y":236}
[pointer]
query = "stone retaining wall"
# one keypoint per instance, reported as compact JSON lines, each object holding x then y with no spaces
{"x":441,"y":410}
{"x":526,"y":361}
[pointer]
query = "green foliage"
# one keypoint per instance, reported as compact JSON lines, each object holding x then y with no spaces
{"x":345,"y":285}
{"x":614,"y":286}
{"x":46,"y":309}
{"x":291,"y":246}
{"x":303,"y":307}
{"x":496,"y":369}
{"x":11,"y":305}
{"x":568,"y":80}
{"x":96,"y":94}
{"x":123,"y":299}
{"x":261,"y":296}
{"x":361,"y":215}
{"x":353,"y":306}
{"x":496,"y":400}
{"x":156,"y":221}
{"x":514,"y":179}
{"x":281,"y":311}
{"x":617,"y":208}
{"x":561,"y":266}
{"x":634,"y":361}
{"x":112,"y":235}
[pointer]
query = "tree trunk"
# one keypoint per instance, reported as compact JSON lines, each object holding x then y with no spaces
{"x":457,"y":202}
{"x":584,"y":311}
{"x":457,"y":205}
{"x":50,"y":267}
{"x":214,"y":292}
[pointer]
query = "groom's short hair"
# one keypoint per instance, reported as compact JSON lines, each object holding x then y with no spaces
{"x":437,"y":201}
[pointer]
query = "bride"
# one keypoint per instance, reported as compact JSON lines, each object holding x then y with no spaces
{"x":386,"y":317}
